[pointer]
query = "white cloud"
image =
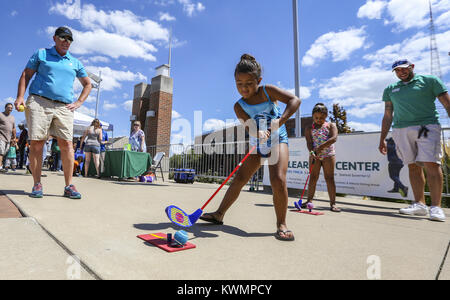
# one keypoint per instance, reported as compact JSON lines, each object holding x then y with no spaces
{"x":443,"y":21}
{"x":6,"y":100}
{"x":90,"y":99}
{"x":109,"y":44}
{"x":166,"y":17}
{"x":367,"y":127}
{"x":128,"y":105}
{"x":108,"y":106}
{"x":9,"y":53}
{"x":417,"y":50}
{"x":406,"y":14}
{"x":96,"y":59}
{"x":372,"y":9}
{"x":213,"y":125}
{"x":112,"y":78}
{"x":124,"y":23}
{"x":14,"y":13}
{"x":340,"y":45}
{"x":87,"y":111}
{"x":175,"y":114}
{"x":191,"y":8}
{"x":305,"y":92}
{"x":358,"y":90}
{"x":367,"y":110}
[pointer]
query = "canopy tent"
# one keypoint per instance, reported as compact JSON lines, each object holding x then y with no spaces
{"x":81,"y":122}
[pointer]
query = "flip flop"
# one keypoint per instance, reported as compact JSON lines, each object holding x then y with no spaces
{"x":285,"y":238}
{"x":335,"y":209}
{"x":210,"y":219}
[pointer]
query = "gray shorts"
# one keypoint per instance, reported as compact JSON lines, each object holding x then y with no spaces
{"x":92,"y":149}
{"x":4,"y":147}
{"x":412,"y":149}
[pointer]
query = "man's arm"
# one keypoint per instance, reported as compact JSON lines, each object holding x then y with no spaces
{"x":385,"y":126}
{"x":87,"y":87}
{"x":24,"y":80}
{"x":444,"y":98}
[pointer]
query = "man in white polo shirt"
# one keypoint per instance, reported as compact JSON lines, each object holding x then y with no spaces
{"x":49,"y":107}
{"x":410,"y":104}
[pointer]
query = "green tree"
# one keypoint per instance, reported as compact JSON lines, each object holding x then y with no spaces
{"x":339,"y":117}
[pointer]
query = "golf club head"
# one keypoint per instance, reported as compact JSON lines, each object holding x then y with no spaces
{"x":178,"y":216}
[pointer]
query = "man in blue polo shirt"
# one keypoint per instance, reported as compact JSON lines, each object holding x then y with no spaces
{"x":50,"y":106}
{"x":410,"y":104}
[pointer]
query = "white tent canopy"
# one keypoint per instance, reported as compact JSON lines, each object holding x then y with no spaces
{"x":81,"y":122}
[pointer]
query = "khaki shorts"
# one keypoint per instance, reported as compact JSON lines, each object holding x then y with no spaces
{"x":412,"y":149}
{"x":47,"y":117}
{"x":4,"y":147}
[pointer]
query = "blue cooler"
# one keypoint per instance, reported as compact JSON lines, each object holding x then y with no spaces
{"x":184,"y":175}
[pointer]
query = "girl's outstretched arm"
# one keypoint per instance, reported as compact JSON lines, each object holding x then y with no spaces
{"x":291,"y":101}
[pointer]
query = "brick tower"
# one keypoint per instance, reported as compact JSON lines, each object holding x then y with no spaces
{"x":152,"y":106}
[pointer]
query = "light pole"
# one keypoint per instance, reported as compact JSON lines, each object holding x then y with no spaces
{"x":97,"y":80}
{"x":297,"y":72}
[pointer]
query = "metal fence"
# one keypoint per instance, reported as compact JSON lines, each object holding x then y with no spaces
{"x":214,"y":162}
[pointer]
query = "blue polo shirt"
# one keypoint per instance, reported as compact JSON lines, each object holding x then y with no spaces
{"x":55,"y":74}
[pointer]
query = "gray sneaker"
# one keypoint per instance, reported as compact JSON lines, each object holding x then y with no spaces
{"x":416,"y":209}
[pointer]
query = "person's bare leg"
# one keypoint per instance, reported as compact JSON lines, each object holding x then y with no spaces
{"x":96,"y":158}
{"x":67,"y":159}
{"x":242,"y":176}
{"x":35,"y":157}
{"x":87,"y":162}
{"x":279,"y":188}
{"x":328,"y":172}
{"x":417,"y":180}
{"x":435,"y":182}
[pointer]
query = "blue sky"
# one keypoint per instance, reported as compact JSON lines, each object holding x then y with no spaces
{"x":346,"y":49}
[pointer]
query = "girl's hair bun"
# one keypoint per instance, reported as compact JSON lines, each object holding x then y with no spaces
{"x":248,"y":57}
{"x":248,"y":64}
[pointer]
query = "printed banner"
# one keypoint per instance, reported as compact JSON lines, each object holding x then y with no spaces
{"x":360,"y":168}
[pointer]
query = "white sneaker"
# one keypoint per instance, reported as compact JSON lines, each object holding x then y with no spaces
{"x":437,"y":214}
{"x":417,"y":209}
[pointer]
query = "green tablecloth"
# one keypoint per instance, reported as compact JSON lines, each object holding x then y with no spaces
{"x":124,"y":164}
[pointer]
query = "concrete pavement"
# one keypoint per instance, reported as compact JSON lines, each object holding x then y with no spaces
{"x":367,"y":240}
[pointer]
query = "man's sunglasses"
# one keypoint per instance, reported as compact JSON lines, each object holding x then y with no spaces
{"x":67,"y":39}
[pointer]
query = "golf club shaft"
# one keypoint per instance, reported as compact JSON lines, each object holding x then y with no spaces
{"x":229,"y":176}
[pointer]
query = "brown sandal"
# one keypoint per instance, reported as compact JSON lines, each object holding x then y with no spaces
{"x":278,"y":235}
{"x":209,"y":217}
{"x":335,"y":209}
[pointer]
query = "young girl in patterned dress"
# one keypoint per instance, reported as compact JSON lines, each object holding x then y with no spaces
{"x":320,"y":139}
